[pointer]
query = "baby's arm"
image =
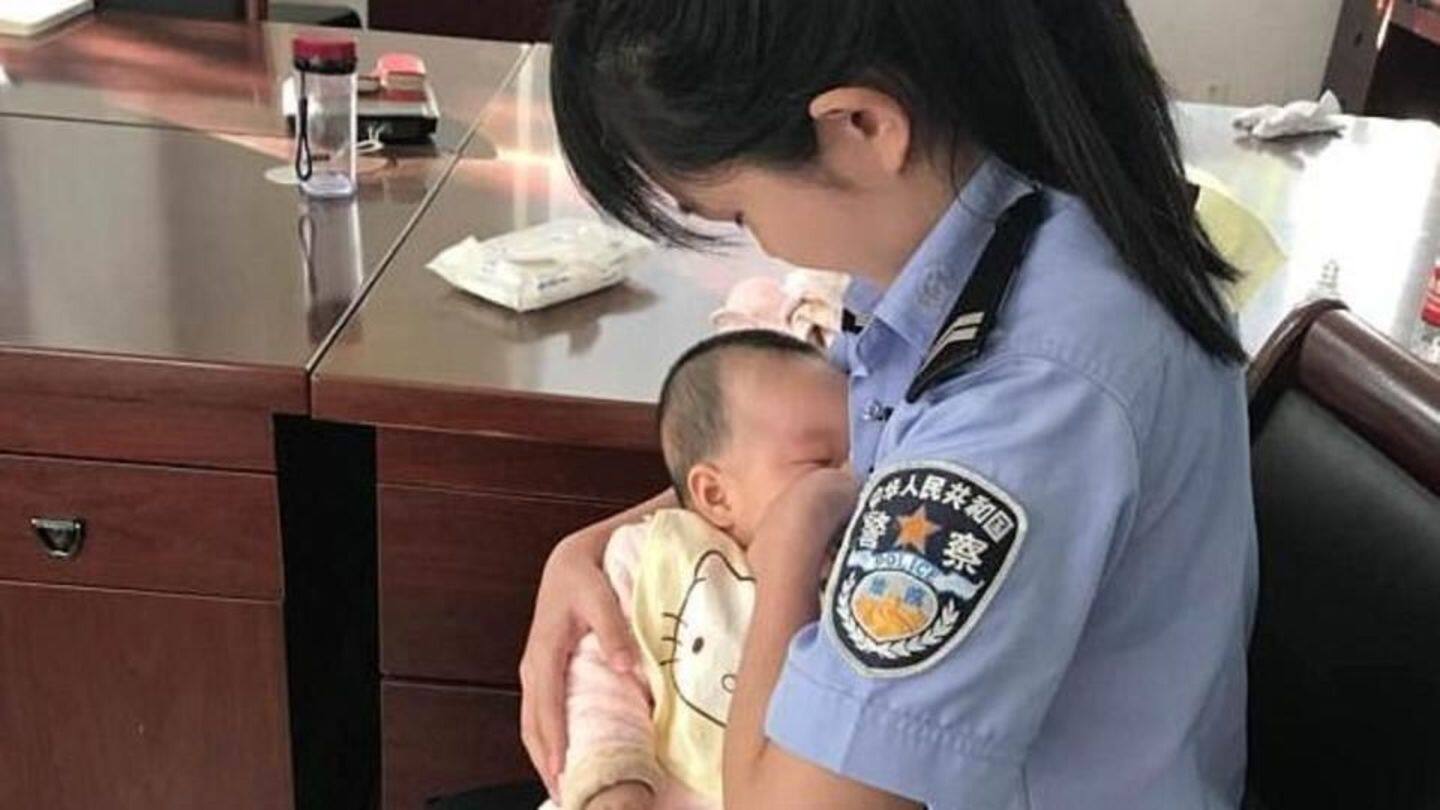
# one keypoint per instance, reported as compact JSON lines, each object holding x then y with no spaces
{"x":611,"y":737}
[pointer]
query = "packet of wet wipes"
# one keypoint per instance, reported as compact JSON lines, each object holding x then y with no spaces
{"x":543,"y":265}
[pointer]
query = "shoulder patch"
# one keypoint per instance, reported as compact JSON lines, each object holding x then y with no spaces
{"x":925,"y":552}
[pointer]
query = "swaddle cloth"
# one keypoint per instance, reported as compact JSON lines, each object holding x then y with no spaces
{"x":806,"y":304}
{"x":543,"y":265}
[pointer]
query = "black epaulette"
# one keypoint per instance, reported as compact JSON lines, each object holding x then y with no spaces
{"x":975,"y":311}
{"x":852,"y":323}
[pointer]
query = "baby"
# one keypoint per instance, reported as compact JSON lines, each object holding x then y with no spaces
{"x":742,"y":416}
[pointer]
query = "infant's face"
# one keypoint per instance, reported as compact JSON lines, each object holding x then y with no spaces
{"x":787,"y":418}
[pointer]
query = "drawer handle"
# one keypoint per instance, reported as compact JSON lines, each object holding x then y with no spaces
{"x":60,"y":537}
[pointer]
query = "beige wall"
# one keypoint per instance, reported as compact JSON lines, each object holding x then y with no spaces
{"x":1240,"y":51}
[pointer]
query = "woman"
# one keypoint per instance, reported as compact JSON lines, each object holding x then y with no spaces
{"x":1045,"y":590}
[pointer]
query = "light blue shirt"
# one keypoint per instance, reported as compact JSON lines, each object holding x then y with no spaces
{"x":1108,"y":671}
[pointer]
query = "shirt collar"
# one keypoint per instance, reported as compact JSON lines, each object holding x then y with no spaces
{"x":917,"y":302}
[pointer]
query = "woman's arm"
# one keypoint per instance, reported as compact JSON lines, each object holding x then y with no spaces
{"x":787,"y":556}
{"x":575,"y":598}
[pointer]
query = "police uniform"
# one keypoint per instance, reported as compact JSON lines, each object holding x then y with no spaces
{"x":1044,"y":597}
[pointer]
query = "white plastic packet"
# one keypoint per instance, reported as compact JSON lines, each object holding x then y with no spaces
{"x":543,"y":265}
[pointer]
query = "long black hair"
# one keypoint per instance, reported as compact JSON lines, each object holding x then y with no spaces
{"x":1062,"y":90}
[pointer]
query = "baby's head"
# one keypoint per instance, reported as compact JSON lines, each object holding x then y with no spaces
{"x":742,"y":416}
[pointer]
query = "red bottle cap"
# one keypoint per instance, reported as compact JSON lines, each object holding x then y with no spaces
{"x":1431,"y":313}
{"x":324,"y":54}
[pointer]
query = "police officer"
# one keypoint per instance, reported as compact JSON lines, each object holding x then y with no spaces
{"x":1045,"y":585}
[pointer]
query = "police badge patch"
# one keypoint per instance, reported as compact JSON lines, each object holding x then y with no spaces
{"x":927,"y":548}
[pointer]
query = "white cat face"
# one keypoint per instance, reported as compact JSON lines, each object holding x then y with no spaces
{"x":709,"y":634}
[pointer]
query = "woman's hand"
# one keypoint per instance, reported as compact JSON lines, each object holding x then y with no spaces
{"x":575,"y":598}
{"x":795,"y":537}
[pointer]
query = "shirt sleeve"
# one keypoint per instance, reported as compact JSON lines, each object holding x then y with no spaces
{"x":611,"y":738}
{"x":964,"y":587}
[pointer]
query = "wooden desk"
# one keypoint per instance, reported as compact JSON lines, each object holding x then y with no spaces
{"x":161,"y":306}
{"x":215,"y":76}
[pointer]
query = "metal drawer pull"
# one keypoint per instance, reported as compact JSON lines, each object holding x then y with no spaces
{"x":60,"y":537}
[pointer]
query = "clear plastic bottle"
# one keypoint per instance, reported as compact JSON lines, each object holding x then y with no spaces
{"x":1427,"y":340}
{"x":325,"y":128}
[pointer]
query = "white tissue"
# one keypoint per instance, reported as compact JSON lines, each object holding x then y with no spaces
{"x":1297,"y":118}
{"x":541,"y":266}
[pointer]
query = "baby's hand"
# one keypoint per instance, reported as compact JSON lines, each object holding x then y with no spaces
{"x":624,"y":796}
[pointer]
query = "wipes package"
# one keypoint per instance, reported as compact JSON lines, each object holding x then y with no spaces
{"x":540,"y":266}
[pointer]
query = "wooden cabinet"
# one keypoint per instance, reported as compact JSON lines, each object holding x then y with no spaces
{"x":441,"y":739}
{"x":135,"y":701}
{"x":141,"y":527}
{"x":210,"y":639}
{"x":142,"y":641}
{"x":458,"y":576}
{"x":459,"y":568}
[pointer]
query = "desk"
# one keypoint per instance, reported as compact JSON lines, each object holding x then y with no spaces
{"x":1368,"y":200}
{"x":161,"y":306}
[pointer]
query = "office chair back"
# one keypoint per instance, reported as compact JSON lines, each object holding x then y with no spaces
{"x":1345,"y":657}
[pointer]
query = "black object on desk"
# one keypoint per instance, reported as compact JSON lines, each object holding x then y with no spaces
{"x":519,"y":796}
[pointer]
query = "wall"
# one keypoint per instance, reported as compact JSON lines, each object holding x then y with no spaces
{"x":1230,"y":51}
{"x":1240,"y":51}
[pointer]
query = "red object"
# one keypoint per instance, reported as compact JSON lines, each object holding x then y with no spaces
{"x":400,"y":63}
{"x":323,"y":49}
{"x":1431,"y":313}
{"x":402,"y":75}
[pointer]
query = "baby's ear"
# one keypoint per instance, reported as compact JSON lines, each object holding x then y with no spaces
{"x":710,"y":495}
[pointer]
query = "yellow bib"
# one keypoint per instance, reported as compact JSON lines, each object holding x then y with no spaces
{"x":693,"y":600}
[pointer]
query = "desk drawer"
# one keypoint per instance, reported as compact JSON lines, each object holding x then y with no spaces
{"x":448,"y":739}
{"x":137,"y":701}
{"x":497,"y":464}
{"x":458,"y":574}
{"x":147,"y":528}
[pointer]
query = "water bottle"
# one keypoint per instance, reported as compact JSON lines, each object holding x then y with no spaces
{"x":325,"y":129}
{"x":1427,"y":342}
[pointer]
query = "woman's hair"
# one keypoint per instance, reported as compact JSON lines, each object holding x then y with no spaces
{"x":1062,"y":90}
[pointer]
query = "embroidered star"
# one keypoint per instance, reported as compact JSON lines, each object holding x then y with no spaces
{"x":915,"y":530}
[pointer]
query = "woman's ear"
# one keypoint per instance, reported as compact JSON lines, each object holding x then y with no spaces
{"x":710,"y":496}
{"x":861,"y":131}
